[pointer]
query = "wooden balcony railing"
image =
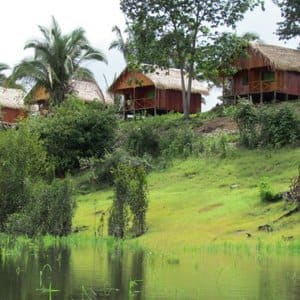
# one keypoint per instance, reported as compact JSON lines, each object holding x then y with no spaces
{"x":262,"y":86}
{"x":139,"y":104}
{"x":253,"y":88}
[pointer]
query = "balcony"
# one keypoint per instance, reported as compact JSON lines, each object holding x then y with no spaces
{"x":139,"y":104}
{"x":262,"y":86}
{"x":254,"y":87}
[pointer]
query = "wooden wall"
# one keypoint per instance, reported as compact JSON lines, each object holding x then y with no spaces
{"x":41,"y":94}
{"x":285,"y":82}
{"x":131,"y":80}
{"x":292,"y":83}
{"x":11,"y":115}
{"x":254,"y":60}
{"x":172,"y":100}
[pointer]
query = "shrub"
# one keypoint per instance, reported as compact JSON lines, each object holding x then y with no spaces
{"x":130,"y":203}
{"x":267,"y":126}
{"x":178,"y":142}
{"x":265,"y":192}
{"x":49,"y":210}
{"x":142,"y":140}
{"x":76,"y":130}
{"x":247,"y":121}
{"x":23,"y":160}
{"x":103,"y":168}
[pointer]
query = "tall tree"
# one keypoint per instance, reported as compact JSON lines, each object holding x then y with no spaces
{"x":290,"y":26}
{"x":58,"y":58}
{"x":176,"y":32}
{"x":220,"y":57}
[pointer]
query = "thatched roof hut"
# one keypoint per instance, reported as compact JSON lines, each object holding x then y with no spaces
{"x":12,"y":106}
{"x":12,"y":98}
{"x":280,"y":58}
{"x":163,"y":79}
{"x":268,"y":73}
{"x":87,"y":90}
{"x":153,"y":89}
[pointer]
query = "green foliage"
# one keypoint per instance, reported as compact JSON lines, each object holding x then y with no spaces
{"x":178,"y":142}
{"x":142,"y":140}
{"x":177,"y":33}
{"x":23,"y":160}
{"x":290,"y":26}
{"x":247,"y":119}
{"x":49,"y":210}
{"x":265,"y":192}
{"x":76,"y":131}
{"x":171,"y":138}
{"x":103,"y":169}
{"x":267,"y":126}
{"x":31,"y":202}
{"x":130,"y":201}
{"x":221,"y":54}
{"x":58,"y":58}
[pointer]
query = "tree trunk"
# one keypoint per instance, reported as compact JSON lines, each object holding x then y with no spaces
{"x":185,"y":103}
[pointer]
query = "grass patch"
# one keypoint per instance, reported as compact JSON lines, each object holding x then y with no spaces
{"x":199,"y":201}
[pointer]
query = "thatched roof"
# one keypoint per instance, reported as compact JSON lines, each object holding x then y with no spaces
{"x":169,"y":79}
{"x":87,"y":90}
{"x":12,"y":98}
{"x":279,"y":58}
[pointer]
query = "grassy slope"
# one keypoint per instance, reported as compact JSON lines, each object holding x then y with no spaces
{"x":193,"y":202}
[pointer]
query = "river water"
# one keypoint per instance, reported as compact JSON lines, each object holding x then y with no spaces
{"x":102,"y":273}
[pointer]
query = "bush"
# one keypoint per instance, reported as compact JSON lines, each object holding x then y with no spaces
{"x":267,"y":126}
{"x":103,"y":169}
{"x":48,"y":211}
{"x":143,"y":139}
{"x":178,"y":142}
{"x":266,"y":195}
{"x":247,"y":121}
{"x":23,"y":160}
{"x":130,"y":203}
{"x":76,"y":130}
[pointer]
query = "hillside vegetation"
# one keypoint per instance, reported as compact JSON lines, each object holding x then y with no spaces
{"x":208,"y":192}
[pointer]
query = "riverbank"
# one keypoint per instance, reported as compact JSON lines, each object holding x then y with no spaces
{"x":201,"y":201}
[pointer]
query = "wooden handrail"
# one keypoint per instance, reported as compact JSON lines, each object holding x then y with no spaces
{"x":140,"y":104}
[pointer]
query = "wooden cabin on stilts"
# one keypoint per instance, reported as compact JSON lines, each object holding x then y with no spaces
{"x":268,"y":74}
{"x":156,"y":91}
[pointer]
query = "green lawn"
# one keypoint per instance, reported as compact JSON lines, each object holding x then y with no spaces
{"x":199,"y":200}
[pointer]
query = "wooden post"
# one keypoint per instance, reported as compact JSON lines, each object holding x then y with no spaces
{"x":124,"y":108}
{"x":275,"y":97}
{"x":155,"y":100}
{"x":133,"y":102}
{"x":261,"y":93}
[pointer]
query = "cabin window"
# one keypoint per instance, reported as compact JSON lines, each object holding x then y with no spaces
{"x":245,"y":79}
{"x":150,"y":94}
{"x":268,"y":76}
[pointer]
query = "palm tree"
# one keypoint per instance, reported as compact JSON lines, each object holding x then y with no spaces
{"x":3,"y":67}
{"x":57,"y":59}
{"x":120,"y":43}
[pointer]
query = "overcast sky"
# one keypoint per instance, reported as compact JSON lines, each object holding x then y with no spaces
{"x":19,"y":21}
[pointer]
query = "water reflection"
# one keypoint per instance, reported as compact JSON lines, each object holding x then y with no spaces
{"x":119,"y":274}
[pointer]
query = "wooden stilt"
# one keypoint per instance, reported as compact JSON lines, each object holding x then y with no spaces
{"x":286,"y":97}
{"x":275,"y":97}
